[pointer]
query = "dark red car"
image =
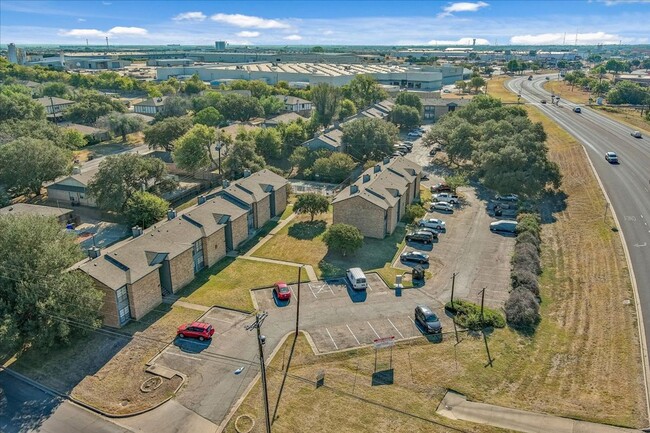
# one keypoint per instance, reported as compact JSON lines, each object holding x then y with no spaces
{"x":281,"y":291}
{"x":200,"y":330}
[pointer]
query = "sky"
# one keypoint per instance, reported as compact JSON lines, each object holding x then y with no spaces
{"x":334,"y":22}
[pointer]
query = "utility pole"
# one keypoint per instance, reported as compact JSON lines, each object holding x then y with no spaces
{"x":482,"y":302}
{"x":453,"y":284}
{"x":257,"y":325}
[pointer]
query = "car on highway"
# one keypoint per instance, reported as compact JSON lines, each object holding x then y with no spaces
{"x":543,"y":101}
{"x":441,"y":187}
{"x":507,"y":197}
{"x":441,"y":206}
{"x":433,"y":223}
{"x":200,"y":330}
{"x":281,"y":291}
{"x":414,"y":256}
{"x":577,"y":110}
{"x":422,"y":236}
{"x":636,"y":134}
{"x":547,"y":78}
{"x":611,"y":157}
{"x":427,"y":319}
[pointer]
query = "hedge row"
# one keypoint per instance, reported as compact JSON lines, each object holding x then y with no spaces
{"x":522,"y":306}
{"x":468,"y":315}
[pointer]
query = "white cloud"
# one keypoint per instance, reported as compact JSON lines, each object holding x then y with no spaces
{"x":128,"y":31}
{"x":94,"y":33}
{"x":81,"y":20}
{"x":190,"y":16}
{"x":293,"y":38}
{"x":107,"y":3}
{"x":247,"y":21}
{"x":619,"y":2}
{"x":461,"y":7}
{"x":248,"y":34}
{"x":560,"y":38}
{"x":461,"y":41}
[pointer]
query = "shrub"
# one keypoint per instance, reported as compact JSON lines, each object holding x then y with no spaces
{"x":343,"y":238}
{"x":522,"y":309}
{"x":523,"y":279}
{"x":468,"y":315}
{"x":413,"y":212}
{"x":529,"y":223}
{"x":526,"y":258}
{"x":529,"y":238}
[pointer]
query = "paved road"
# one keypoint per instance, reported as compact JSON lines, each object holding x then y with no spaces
{"x":627,"y":184}
{"x":26,"y":409}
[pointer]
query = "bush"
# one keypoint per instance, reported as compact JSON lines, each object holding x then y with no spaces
{"x":413,"y":212}
{"x":529,"y":223}
{"x":523,"y":279}
{"x":526,"y":258}
{"x":468,"y":315}
{"x":529,"y":238}
{"x":343,"y":238}
{"x":522,"y":309}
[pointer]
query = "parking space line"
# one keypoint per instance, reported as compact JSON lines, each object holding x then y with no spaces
{"x":355,"y":337}
{"x":400,"y":334}
{"x":182,"y":355}
{"x":373,"y":329}
{"x":333,"y":342}
{"x":312,"y":290}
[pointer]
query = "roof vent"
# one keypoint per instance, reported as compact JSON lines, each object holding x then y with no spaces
{"x":136,"y":231}
{"x":386,"y":159}
{"x":225,"y":183}
{"x":201,"y":199}
{"x":94,"y":252}
{"x":76,"y":170}
{"x":354,"y":189}
{"x":171,"y":214}
{"x":247,"y":173}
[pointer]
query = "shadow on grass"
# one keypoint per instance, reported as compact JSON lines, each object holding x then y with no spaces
{"x":204,"y":276}
{"x":307,"y":230}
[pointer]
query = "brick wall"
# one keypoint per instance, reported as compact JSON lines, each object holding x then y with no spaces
{"x":263,"y":211}
{"x":109,"y":307}
{"x":362,"y":214}
{"x":182,"y":269}
{"x":214,"y":247}
{"x":144,"y":294}
{"x":239,"y":230}
{"x":280,"y":200}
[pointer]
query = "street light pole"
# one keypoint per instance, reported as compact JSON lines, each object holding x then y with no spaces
{"x":257,"y":325}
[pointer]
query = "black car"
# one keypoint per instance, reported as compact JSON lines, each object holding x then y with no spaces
{"x":428,"y":320}
{"x":421,"y":236}
{"x":414,"y":256}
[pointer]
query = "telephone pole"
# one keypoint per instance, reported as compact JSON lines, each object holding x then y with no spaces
{"x":453,"y":284}
{"x":482,"y":302}
{"x":257,"y":325}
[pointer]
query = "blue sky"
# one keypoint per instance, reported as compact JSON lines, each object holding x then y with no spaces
{"x":335,"y":22}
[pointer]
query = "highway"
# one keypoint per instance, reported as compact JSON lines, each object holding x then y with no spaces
{"x":627,"y":184}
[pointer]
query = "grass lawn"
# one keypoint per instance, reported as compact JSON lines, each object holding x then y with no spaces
{"x":563,"y":90}
{"x":105,"y":370}
{"x":229,"y":281}
{"x":496,"y":87}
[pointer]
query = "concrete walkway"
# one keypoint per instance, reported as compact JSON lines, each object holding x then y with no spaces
{"x":456,"y":406}
{"x":310,"y":270}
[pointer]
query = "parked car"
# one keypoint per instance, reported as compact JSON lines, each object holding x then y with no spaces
{"x":433,"y":223}
{"x":428,"y":320}
{"x":408,"y":145}
{"x":281,"y":291}
{"x":200,"y":330}
{"x":636,"y":134}
{"x":402,"y":149}
{"x":611,"y":157}
{"x":441,"y":206}
{"x":504,"y":226}
{"x":446,"y":196}
{"x":398,"y":154}
{"x":414,"y":256}
{"x":414,"y":134}
{"x":422,"y":236}
{"x":507,"y":197}
{"x":357,"y":278}
{"x":446,"y":91}
{"x":577,"y":110}
{"x":441,"y":187}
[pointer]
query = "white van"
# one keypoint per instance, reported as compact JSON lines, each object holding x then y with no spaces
{"x":357,"y":278}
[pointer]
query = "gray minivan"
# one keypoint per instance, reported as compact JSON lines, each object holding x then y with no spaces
{"x":504,"y":226}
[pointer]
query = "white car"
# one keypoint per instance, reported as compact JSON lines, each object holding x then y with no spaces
{"x":414,"y":134}
{"x":447,"y":197}
{"x":442,"y":206}
{"x":636,"y":134}
{"x":432,"y":223}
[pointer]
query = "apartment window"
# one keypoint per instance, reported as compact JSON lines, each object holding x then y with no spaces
{"x":197,"y":255}
{"x":123,"y":309}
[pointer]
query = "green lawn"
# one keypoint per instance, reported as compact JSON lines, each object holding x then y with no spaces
{"x":228,"y":282}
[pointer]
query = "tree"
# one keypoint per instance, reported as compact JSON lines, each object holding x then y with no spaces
{"x":294,"y":134}
{"x":258,"y":88}
{"x":90,"y":106}
{"x":238,"y":107}
{"x":365,"y":91}
{"x":207,"y":99}
{"x":11,"y":130}
{"x":410,"y":100}
{"x":460,"y":85}
{"x":121,"y":124}
{"x":145,"y":209}
{"x":194,"y":85}
{"x":312,"y":204}
{"x":193,"y":151}
{"x":627,"y":92}
{"x":268,"y":143}
{"x":477,"y":83}
{"x":513,"y":66}
{"x":405,"y":117}
{"x":121,"y":176}
{"x":73,"y":139}
{"x":209,"y":116}
{"x":57,"y":89}
{"x":37,"y":291}
{"x":174,"y":106}
{"x":26,"y":163}
{"x":162,"y":134}
{"x":343,"y":238}
{"x":522,"y":309}
{"x":414,"y":212}
{"x":271,"y":105}
{"x":19,"y":106}
{"x":346,"y":108}
{"x":333,"y":168}
{"x":243,"y":156}
{"x":369,"y":138}
{"x":325,"y":98}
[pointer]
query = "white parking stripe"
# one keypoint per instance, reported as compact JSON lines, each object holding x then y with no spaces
{"x":333,"y":342}
{"x":312,"y":291}
{"x":373,"y":329}
{"x":183,"y":355}
{"x":400,"y":334}
{"x":355,"y":337}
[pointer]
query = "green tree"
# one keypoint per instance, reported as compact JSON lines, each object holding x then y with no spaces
{"x":346,"y":108}
{"x":333,"y":168}
{"x":238,"y":107}
{"x":325,"y":98}
{"x":317,"y":49}
{"x":11,"y":130}
{"x":369,"y":138}
{"x":476,"y":83}
{"x":268,"y":143}
{"x":343,"y":238}
{"x":259,"y":89}
{"x":37,"y":291}
{"x":144,"y":209}
{"x":209,"y":116}
{"x":207,"y":99}
{"x":365,"y":91}
{"x":19,"y":106}
{"x":243,"y":156}
{"x":57,"y":89}
{"x":627,"y":92}
{"x":294,"y":134}
{"x":271,"y":105}
{"x":26,"y":163}
{"x":121,"y":124}
{"x":312,"y":204}
{"x":299,"y":158}
{"x":194,"y":85}
{"x":121,"y":176}
{"x":405,"y":117}
{"x":409,"y":99}
{"x":414,"y":212}
{"x":90,"y":106}
{"x":73,"y":139}
{"x":162,"y":134}
{"x":193,"y":150}
{"x":174,"y":106}
{"x":513,"y":66}
{"x":461,"y":85}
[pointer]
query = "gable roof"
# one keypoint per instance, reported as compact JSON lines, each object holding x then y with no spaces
{"x":332,"y":138}
{"x":284,"y":118}
{"x":48,"y":102}
{"x":33,"y":209}
{"x":292,"y":100}
{"x":152,"y":102}
{"x":256,"y":186}
{"x":440,"y":102}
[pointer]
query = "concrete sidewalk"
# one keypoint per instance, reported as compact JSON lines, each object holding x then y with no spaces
{"x":456,"y":406}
